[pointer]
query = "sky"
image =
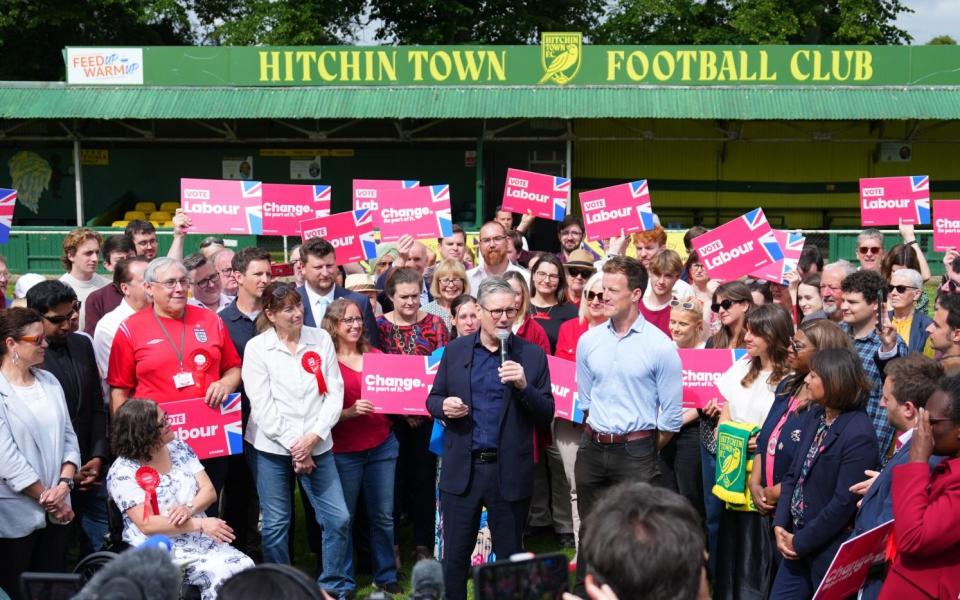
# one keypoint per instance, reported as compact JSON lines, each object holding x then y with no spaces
{"x":931,"y":18}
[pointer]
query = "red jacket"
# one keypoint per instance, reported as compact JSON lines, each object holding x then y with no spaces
{"x":926,"y":509}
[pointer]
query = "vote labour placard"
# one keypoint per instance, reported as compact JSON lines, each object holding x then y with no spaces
{"x":544,"y":196}
{"x":222,"y":206}
{"x":286,"y":205}
{"x":738,"y":247}
{"x":610,"y":210}
{"x":946,"y":225}
{"x":791,"y":243}
{"x":371,"y":193}
{"x":563,"y":383}
{"x":398,"y":384}
{"x":701,"y":370}
{"x":211,"y":432}
{"x":351,"y":233}
{"x":850,"y":566}
{"x":422,"y":212}
{"x":895,"y":200}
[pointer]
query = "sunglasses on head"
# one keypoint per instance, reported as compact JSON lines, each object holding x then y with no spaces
{"x":591,"y":296}
{"x":685,"y":304}
{"x":869,"y":249}
{"x":725,"y":305}
{"x":900,"y":289}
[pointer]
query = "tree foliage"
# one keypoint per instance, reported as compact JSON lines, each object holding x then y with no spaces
{"x":278,"y":22}
{"x":942,"y":40}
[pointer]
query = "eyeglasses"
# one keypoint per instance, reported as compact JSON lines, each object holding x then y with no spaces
{"x":582,"y":273}
{"x":227,"y":271}
{"x":58,"y":319}
{"x":725,"y":305}
{"x":591,"y":296}
{"x":688,"y":304}
{"x":900,"y":289}
{"x":548,"y":276}
{"x":497,"y":313}
{"x":450,"y":280}
{"x":33,"y":339}
{"x":797,"y":348}
{"x":351,"y":320}
{"x":497,"y":239}
{"x":869,"y":249}
{"x":171,"y":284}
{"x":209,"y":280}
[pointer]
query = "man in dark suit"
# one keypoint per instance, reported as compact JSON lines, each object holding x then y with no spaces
{"x":320,"y":288}
{"x":490,"y":410}
{"x":71,"y":360}
{"x":910,"y":382}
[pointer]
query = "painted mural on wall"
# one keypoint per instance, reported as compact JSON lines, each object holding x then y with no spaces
{"x":31,"y":175}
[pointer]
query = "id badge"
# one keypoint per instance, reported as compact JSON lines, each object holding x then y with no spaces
{"x":183,"y":379}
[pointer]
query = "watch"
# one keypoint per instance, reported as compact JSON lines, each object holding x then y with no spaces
{"x":69,"y":481}
{"x":190,"y":506}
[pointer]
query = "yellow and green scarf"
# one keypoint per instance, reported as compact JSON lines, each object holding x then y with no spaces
{"x":734,"y":464}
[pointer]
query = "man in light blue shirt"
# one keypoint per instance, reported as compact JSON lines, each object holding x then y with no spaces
{"x":629,"y":381}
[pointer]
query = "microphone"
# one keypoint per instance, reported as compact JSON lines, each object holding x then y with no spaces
{"x":427,"y":580}
{"x":503,"y":335}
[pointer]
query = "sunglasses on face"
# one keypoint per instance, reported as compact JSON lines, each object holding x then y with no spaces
{"x":58,"y":319}
{"x":900,"y":289}
{"x":582,"y":273}
{"x":869,"y":249}
{"x":591,"y":296}
{"x":725,"y":305}
{"x":33,"y":339}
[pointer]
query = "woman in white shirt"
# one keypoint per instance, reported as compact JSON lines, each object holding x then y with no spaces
{"x":292,"y":378}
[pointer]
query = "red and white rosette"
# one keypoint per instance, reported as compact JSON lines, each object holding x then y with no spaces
{"x":200,"y":362}
{"x":313,"y":364}
{"x":148,"y":479}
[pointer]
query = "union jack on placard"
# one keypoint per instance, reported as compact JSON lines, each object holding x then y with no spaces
{"x":408,"y":184}
{"x":923,"y":211}
{"x":8,"y":202}
{"x":432,"y":362}
{"x":639,"y":188}
{"x":771,"y":246}
{"x":251,"y":189}
{"x":233,"y":432}
{"x":755,"y":219}
{"x":363,"y":216}
{"x":792,"y":250}
{"x":561,"y":184}
{"x":321,"y":193}
{"x":920,"y":183}
{"x":439,"y":193}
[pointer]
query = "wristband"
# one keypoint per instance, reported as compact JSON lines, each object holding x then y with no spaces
{"x":911,"y":242}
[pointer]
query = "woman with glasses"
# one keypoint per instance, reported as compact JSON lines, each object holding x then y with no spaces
{"x":174,"y":351}
{"x":465,"y":316}
{"x":744,"y":553}
{"x":162,"y":489}
{"x":292,"y":378}
{"x":837,"y":444}
{"x":904,"y":294}
{"x":578,"y":269}
{"x":449,"y":282}
{"x":39,"y":455}
{"x":407,"y":329}
{"x":364,"y":447}
{"x":548,"y":302}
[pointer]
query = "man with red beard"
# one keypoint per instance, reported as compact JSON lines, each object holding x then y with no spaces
{"x":493,"y":242}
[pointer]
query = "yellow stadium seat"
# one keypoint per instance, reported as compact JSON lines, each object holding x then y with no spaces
{"x":146,"y":207}
{"x":155,"y":223}
{"x":166,"y":224}
{"x":119,"y":223}
{"x":170,"y":207}
{"x":159,"y":215}
{"x":134,"y":215}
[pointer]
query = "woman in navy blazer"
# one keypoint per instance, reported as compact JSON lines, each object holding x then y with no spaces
{"x":816,"y":508}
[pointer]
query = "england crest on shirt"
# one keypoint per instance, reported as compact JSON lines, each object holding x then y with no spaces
{"x":200,"y":333}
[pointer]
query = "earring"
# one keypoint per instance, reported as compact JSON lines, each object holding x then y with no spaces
{"x":16,"y":357}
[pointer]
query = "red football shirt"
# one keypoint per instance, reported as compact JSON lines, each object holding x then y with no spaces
{"x":144,"y":361}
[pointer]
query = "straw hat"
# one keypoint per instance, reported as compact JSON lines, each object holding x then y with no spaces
{"x":580,"y":259}
{"x":360,"y":282}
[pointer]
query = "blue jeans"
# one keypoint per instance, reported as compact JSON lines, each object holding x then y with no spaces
{"x":274,"y":474}
{"x":372,"y":470}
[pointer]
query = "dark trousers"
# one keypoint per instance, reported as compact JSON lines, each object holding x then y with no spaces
{"x":240,"y":503}
{"x":416,"y":481}
{"x":44,"y":551}
{"x":680,"y":466}
{"x":601,"y":466}
{"x":461,"y":522}
{"x":216,"y":469}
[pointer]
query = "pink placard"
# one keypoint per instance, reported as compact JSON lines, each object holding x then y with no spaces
{"x":738,"y":247}
{"x":619,"y":208}
{"x":791,"y":243}
{"x":563,"y":383}
{"x":398,"y":384}
{"x":286,"y":205}
{"x":701,"y":370}
{"x":371,"y":193}
{"x":544,"y":196}
{"x":8,"y":202}
{"x":351,"y":233}
{"x":421,"y":212}
{"x":895,"y":200}
{"x":850,"y":566}
{"x":210,"y":432}
{"x":946,"y":225}
{"x":222,"y":206}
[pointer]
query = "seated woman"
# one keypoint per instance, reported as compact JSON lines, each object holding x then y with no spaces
{"x":172,"y":504}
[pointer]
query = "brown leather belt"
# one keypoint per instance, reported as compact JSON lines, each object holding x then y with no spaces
{"x":616,"y":438}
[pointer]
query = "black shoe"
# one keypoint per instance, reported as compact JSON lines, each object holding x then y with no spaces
{"x":567,"y":540}
{"x":393,"y":588}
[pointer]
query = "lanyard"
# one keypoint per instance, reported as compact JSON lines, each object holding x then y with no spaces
{"x":183,"y":334}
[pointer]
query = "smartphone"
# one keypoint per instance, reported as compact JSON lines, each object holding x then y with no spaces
{"x":881,"y":311}
{"x":50,"y":586}
{"x":281,"y":270}
{"x":543,"y":577}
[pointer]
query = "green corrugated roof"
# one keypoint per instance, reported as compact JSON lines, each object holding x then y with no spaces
{"x":57,"y":101}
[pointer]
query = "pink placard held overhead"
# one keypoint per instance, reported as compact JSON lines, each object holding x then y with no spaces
{"x":791,"y":243}
{"x":563,"y":383}
{"x":211,"y":432}
{"x":350,"y":233}
{"x":222,"y":206}
{"x":398,"y":384}
{"x":421,"y":212}
{"x":619,"y":208}
{"x":8,"y":202}
{"x":895,"y":200}
{"x":286,"y":205}
{"x":701,"y":370}
{"x":946,"y":225}
{"x":371,"y":193}
{"x":738,"y":247}
{"x":544,"y":196}
{"x":850,"y":566}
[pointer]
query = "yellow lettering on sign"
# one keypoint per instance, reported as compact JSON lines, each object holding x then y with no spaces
{"x":745,"y":74}
{"x":708,"y":65}
{"x":685,"y":57}
{"x":663,"y":65}
{"x":497,"y":66}
{"x":795,"y":65}
{"x":269,"y":66}
{"x":349,"y":65}
{"x":468,"y":64}
{"x":614,"y":63}
{"x":818,"y":72}
{"x":418,"y":58}
{"x":644,"y":63}
{"x":322,"y":70}
{"x":288,"y":65}
{"x":440,"y":66}
{"x":306,"y":58}
{"x":94,"y":157}
{"x":387,"y":64}
{"x":728,"y":67}
{"x":863,"y":65}
{"x":764,"y":66}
